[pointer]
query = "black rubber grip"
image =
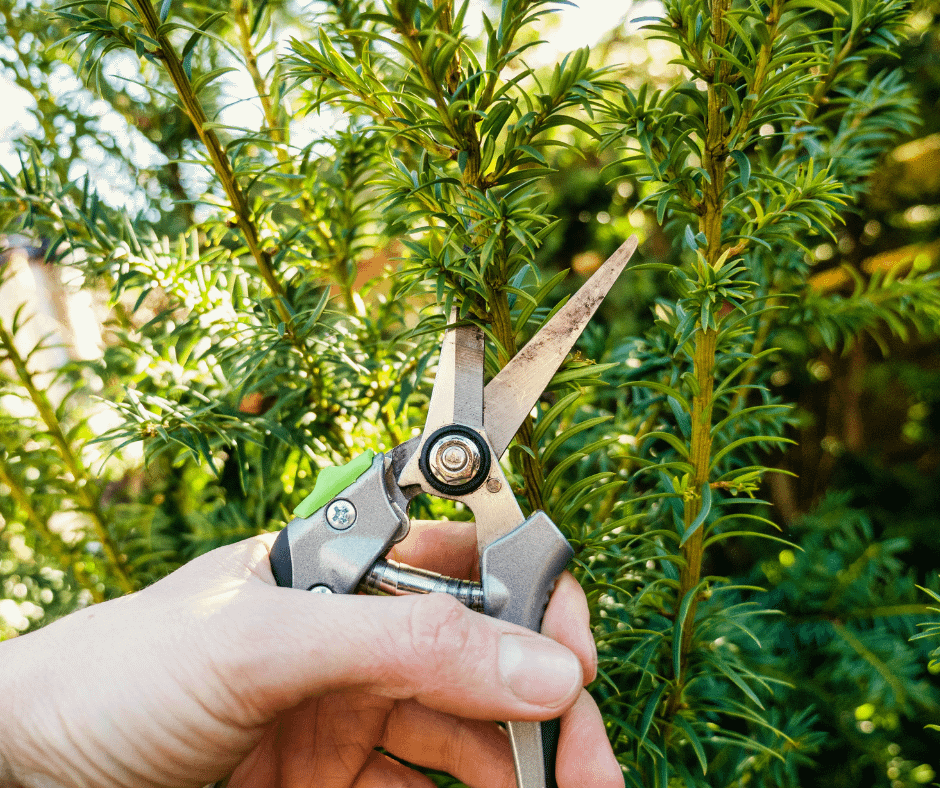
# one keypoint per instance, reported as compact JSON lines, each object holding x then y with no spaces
{"x":551,"y":730}
{"x":280,"y":560}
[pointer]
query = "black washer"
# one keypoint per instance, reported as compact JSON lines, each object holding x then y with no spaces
{"x":456,"y":489}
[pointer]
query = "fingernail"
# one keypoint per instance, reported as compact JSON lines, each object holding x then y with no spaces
{"x":589,"y":679}
{"x":538,"y":670}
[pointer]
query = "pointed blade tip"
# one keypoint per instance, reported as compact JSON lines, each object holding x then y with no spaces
{"x":517,"y":387}
{"x":621,"y":257}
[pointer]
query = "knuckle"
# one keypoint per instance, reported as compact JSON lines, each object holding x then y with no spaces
{"x":438,"y":628}
{"x":458,"y":747}
{"x":436,"y":621}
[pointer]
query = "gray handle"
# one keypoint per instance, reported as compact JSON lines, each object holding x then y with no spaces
{"x":331,"y":549}
{"x":518,"y":573}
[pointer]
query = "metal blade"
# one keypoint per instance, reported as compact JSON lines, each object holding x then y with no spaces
{"x":511,"y":395}
{"x":457,"y":397}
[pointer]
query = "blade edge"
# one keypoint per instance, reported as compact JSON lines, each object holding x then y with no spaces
{"x":512,"y":393}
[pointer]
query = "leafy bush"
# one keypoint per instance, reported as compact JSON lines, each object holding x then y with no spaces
{"x":275,"y":296}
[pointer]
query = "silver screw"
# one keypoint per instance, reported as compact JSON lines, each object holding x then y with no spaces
{"x":494,"y":485}
{"x":454,"y":459}
{"x":321,"y":590}
{"x":340,"y":514}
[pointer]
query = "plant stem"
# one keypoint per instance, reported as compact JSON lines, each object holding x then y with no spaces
{"x":219,"y":158}
{"x":700,"y":456}
{"x":83,"y":486}
{"x":62,"y":551}
{"x":705,"y":345}
{"x":261,"y":87}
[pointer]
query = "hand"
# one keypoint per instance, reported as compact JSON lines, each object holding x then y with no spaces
{"x":215,"y":671}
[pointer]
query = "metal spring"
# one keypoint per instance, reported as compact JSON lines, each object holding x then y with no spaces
{"x":391,"y":578}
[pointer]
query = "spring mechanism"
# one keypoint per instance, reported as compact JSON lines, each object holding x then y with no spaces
{"x":391,"y":578}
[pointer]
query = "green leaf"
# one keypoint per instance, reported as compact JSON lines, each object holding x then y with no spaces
{"x":694,"y":740}
{"x":200,"y":82}
{"x":669,"y":438}
{"x":749,"y":439}
{"x":748,"y":534}
{"x":683,"y":417}
{"x":553,"y":414}
{"x":829,"y":6}
{"x":650,"y":710}
{"x":582,"y":373}
{"x":568,"y":434}
{"x":744,"y":167}
{"x":662,"y":204}
{"x":186,"y":55}
{"x":679,"y":627}
{"x":573,"y":459}
{"x":661,"y":388}
{"x":729,"y":673}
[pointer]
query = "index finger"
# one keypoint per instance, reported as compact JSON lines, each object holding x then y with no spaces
{"x":442,"y":546}
{"x":450,"y":548}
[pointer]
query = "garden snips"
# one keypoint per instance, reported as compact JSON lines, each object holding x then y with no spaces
{"x":339,"y":536}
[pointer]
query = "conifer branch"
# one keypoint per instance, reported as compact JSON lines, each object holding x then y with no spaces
{"x":270,"y":109}
{"x":63,"y":552}
{"x":82,"y":484}
{"x":221,"y":163}
{"x":705,"y":345}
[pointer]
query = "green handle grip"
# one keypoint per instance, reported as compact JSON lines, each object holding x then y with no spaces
{"x":332,"y":481}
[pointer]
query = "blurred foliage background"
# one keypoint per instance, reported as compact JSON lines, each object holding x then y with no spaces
{"x":232,"y":230}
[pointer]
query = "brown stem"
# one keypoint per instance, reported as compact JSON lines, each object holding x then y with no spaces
{"x":217,"y":155}
{"x":700,"y":450}
{"x":703,"y":354}
{"x":261,"y":86}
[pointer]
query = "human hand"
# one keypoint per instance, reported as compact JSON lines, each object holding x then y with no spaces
{"x":215,"y":671}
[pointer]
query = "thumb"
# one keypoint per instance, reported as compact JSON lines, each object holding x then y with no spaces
{"x":291,"y":645}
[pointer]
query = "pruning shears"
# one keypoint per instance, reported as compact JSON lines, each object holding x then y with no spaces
{"x":341,"y":532}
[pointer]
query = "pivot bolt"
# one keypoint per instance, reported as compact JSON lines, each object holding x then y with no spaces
{"x":321,"y":590}
{"x":454,"y":459}
{"x":340,"y":514}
